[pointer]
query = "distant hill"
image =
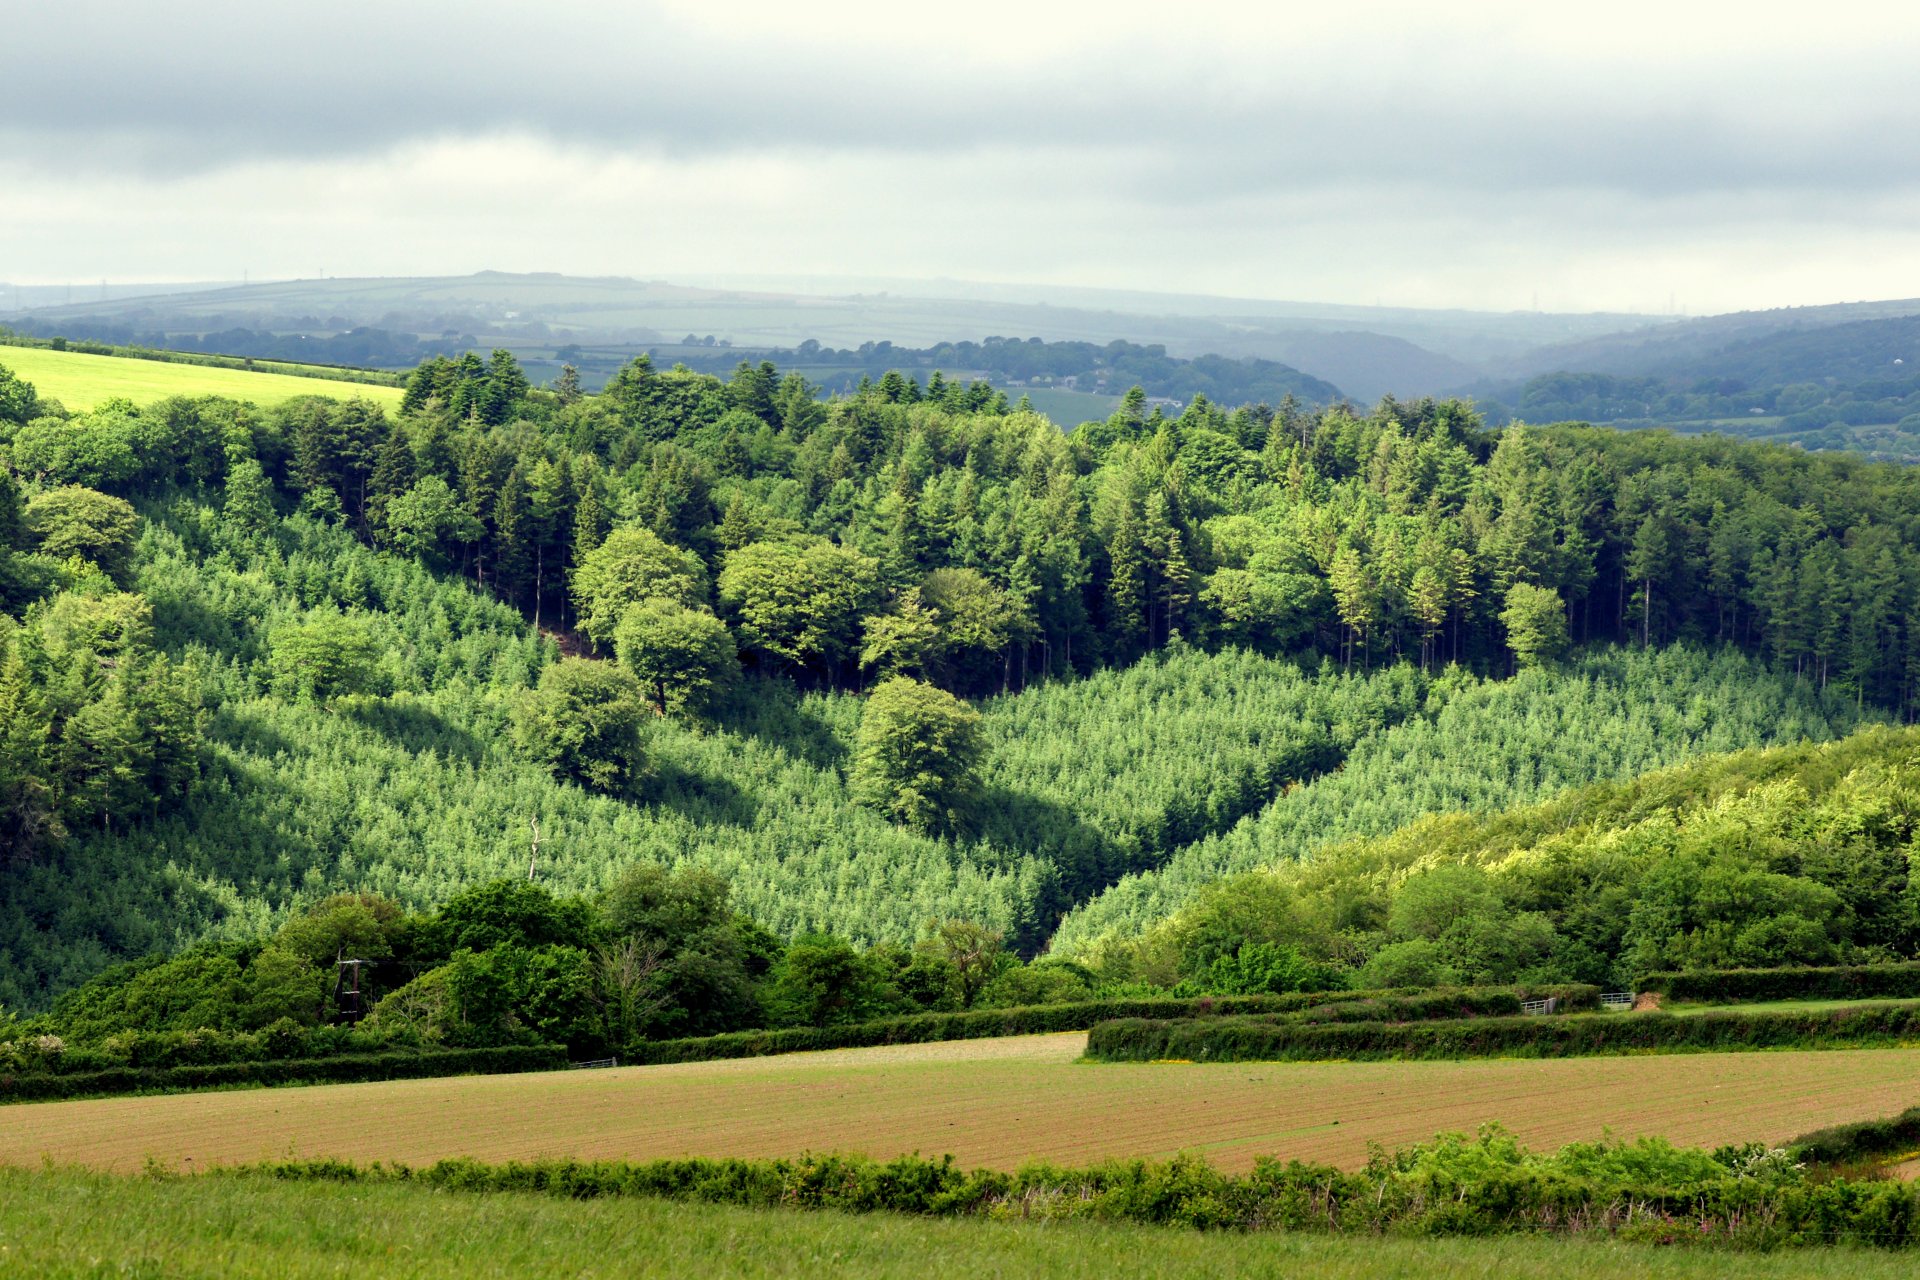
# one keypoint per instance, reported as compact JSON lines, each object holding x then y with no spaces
{"x":1787,"y":345}
{"x":1365,"y":351}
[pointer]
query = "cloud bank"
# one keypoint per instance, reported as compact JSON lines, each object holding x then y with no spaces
{"x":1720,"y":156}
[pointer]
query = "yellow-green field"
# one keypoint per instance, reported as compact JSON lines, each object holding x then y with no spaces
{"x":81,"y":381}
{"x":994,"y":1103}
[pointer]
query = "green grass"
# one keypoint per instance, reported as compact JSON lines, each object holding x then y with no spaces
{"x":61,"y":1224}
{"x":1775,"y":1006}
{"x":81,"y":381}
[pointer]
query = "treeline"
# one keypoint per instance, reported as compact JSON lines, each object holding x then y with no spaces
{"x":660,"y":954}
{"x":920,"y":532}
{"x":1801,"y":855}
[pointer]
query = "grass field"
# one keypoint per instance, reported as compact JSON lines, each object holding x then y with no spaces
{"x":67,"y":1224}
{"x":993,"y":1103}
{"x":81,"y":381}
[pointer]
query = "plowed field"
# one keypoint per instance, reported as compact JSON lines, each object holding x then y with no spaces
{"x":988,"y":1102}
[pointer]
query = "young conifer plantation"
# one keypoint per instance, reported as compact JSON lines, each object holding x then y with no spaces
{"x":819,"y":709}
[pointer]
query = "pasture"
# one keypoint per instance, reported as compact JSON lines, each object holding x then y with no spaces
{"x":68,"y":1224}
{"x":991,"y":1103}
{"x":80,"y":381}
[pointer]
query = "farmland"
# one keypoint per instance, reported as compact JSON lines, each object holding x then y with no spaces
{"x":80,"y":381}
{"x":996,"y":1103}
{"x":71,"y":1224}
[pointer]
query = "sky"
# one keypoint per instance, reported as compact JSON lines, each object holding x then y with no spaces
{"x":1628,"y":156}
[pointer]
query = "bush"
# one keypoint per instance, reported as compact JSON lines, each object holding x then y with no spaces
{"x":1267,"y":1039}
{"x":1836,"y":982}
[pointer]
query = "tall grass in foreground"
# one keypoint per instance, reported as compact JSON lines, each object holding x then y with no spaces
{"x":61,"y":1224}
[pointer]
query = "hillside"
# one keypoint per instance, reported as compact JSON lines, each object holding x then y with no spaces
{"x":320,"y":649}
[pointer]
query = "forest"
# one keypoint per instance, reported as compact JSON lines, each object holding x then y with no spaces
{"x":881,"y":661}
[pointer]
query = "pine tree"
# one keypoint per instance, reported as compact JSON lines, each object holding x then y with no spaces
{"x":513,"y":536}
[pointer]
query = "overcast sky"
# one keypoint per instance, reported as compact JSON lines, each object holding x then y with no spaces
{"x":1601,"y":156}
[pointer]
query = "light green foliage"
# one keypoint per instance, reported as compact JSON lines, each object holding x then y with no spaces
{"x":798,"y":605}
{"x":19,"y":401}
{"x":1794,"y":855}
{"x":683,"y":657}
{"x":324,"y":657}
{"x":1536,"y":623}
{"x":583,"y":722}
{"x":427,"y":517}
{"x":1492,"y":745}
{"x":633,"y":565}
{"x":75,"y":521}
{"x":918,"y":756}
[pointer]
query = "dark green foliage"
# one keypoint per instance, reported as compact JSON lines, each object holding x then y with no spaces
{"x":986,"y":1023}
{"x":1251,"y":1039}
{"x":336,"y":1069}
{"x":1647,"y":1191}
{"x":1841,"y":982}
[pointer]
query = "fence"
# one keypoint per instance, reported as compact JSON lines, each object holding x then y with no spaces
{"x":1616,"y":1000}
{"x":596,"y":1062}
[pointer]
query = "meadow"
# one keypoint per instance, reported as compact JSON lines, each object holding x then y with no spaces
{"x":71,"y":1224}
{"x":81,"y":381}
{"x":991,"y":1104}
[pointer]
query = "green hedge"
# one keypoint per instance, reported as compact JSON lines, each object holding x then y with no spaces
{"x":1848,"y":1143}
{"x":1648,"y":1191}
{"x":40,"y":1086}
{"x":925,"y":1028}
{"x":1839,"y":982}
{"x":1267,"y":1039}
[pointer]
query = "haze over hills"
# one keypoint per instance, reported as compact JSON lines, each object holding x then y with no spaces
{"x":1365,"y":351}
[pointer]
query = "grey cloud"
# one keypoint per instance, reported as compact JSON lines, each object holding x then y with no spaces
{"x":169,"y":89}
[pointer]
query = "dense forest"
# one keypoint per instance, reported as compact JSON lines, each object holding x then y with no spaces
{"x":906,"y":656}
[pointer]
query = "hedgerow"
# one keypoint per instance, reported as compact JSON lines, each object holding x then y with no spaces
{"x":1264,"y":1039}
{"x":985,"y":1023}
{"x":1832,"y":982}
{"x":41,"y":1086}
{"x":1648,"y":1190}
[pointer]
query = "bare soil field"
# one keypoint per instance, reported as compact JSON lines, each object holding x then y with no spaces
{"x":988,"y":1102}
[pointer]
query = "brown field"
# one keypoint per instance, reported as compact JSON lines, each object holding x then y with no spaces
{"x":988,"y":1102}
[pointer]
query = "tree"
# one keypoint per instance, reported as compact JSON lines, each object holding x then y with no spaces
{"x":632,"y":565}
{"x":800,"y":604}
{"x":568,"y":385}
{"x":80,"y":522}
{"x":427,"y":518}
{"x":684,"y":656}
{"x":249,"y":505}
{"x":1536,"y":623}
{"x":326,"y":657}
{"x":918,"y":756}
{"x":902,"y":642}
{"x":583,"y":722}
{"x":18,"y":400}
